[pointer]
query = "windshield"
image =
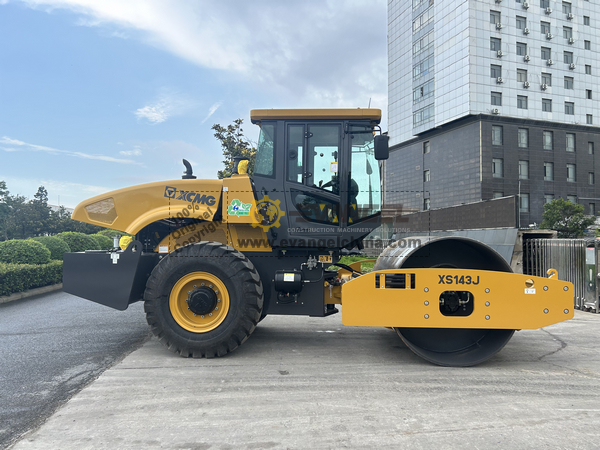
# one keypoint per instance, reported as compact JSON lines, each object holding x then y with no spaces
{"x":265,"y":156}
{"x":364,"y":190}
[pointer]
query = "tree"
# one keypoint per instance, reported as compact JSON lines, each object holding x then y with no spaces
{"x":234,"y":143}
{"x":566,"y":217}
{"x":4,"y":210}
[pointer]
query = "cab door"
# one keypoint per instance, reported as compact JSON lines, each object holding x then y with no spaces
{"x":314,"y":177}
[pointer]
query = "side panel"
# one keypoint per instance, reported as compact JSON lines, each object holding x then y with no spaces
{"x":500,"y":300}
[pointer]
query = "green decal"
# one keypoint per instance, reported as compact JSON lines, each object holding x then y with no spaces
{"x":237,"y":208}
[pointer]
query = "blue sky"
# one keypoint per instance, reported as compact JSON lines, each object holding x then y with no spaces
{"x":97,"y":95}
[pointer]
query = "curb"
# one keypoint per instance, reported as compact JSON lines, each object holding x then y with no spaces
{"x":30,"y":293}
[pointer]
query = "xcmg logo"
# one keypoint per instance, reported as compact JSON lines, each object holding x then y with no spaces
{"x":189,"y":196}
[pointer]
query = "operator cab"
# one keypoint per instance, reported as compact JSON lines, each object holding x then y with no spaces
{"x":322,"y":165}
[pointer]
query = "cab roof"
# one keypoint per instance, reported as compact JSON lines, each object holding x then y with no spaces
{"x":373,"y":114}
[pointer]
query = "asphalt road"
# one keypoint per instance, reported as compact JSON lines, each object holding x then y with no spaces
{"x":53,"y":345}
{"x":311,"y":383}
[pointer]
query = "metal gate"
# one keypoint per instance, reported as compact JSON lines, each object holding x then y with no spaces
{"x":573,"y":261}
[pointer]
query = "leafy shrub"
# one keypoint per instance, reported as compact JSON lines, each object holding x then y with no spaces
{"x":78,"y":242}
{"x":104,"y":242}
{"x":18,"y":251}
{"x":56,"y":246}
{"x":21,"y":277}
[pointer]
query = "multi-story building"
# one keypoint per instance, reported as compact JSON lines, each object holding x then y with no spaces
{"x":491,"y":98}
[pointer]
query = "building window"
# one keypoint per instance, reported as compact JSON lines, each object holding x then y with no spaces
{"x":548,"y":140}
{"x":521,"y":48}
{"x":521,"y":22}
{"x":570,"y":144}
{"x":522,"y":101}
{"x":589,"y":119}
{"x":544,"y":3}
{"x":567,"y":32}
{"x":495,"y":71}
{"x":498,"y":194}
{"x":497,"y":98}
{"x":523,"y":137}
{"x":523,"y":170}
{"x":497,"y":167}
{"x":423,"y":115}
{"x":590,"y":148}
{"x":588,"y":69}
{"x":547,"y":78}
{"x":591,"y":178}
{"x":426,"y":204}
{"x":568,"y":57}
{"x":423,"y":68}
{"x":548,"y":171}
{"x":570,"y":108}
{"x":572,"y":198}
{"x":495,"y":17}
{"x":426,"y":176}
{"x":568,"y":82}
{"x":521,"y":75}
{"x":566,"y":7}
{"x":548,"y":198}
{"x":422,"y":20}
{"x":426,"y":147}
{"x":546,"y":53}
{"x":495,"y":44}
{"x":592,"y":209}
{"x":571,"y":177}
{"x":424,"y":43}
{"x":547,"y":104}
{"x":586,"y":20}
{"x":545,"y":27}
{"x":588,"y":94}
{"x":496,"y":135}
{"x":587,"y":45}
{"x":424,"y":91}
{"x":524,"y":203}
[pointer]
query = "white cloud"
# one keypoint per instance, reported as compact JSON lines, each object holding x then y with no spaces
{"x":53,"y":151}
{"x":135,"y":152}
{"x":212,"y":110}
{"x":314,"y":52}
{"x":167,"y":105}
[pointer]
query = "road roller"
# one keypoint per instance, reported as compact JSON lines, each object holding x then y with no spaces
{"x":211,"y":258}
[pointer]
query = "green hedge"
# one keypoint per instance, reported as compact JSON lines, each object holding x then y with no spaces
{"x":104,"y":242}
{"x":21,"y":277}
{"x":27,"y":251}
{"x":79,"y":242}
{"x":56,"y":246}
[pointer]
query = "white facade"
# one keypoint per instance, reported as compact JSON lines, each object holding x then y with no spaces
{"x":440,"y":62}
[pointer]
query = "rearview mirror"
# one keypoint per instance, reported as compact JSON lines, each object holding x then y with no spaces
{"x":382,"y":150}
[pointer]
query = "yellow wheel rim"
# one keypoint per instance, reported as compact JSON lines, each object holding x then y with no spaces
{"x":186,"y":318}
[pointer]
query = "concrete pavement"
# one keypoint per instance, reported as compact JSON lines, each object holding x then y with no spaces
{"x":311,"y":383}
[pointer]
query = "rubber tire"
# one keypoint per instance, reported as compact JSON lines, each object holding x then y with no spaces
{"x":245,"y":296}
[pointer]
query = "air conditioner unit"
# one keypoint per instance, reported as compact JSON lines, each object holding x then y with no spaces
{"x":526,"y":84}
{"x":570,"y":16}
{"x":525,"y":30}
{"x":548,"y":10}
{"x":526,"y":58}
{"x":495,"y":111}
{"x":499,"y":53}
{"x":571,"y":40}
{"x":498,"y":25}
{"x":498,"y":1}
{"x":549,"y":62}
{"x":499,"y":80}
{"x":549,"y":36}
{"x":525,"y":5}
{"x":572,"y":66}
{"x":544,"y":86}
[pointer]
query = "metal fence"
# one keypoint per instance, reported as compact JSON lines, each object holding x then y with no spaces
{"x":574,"y":262}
